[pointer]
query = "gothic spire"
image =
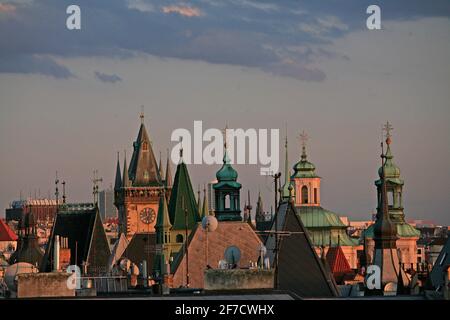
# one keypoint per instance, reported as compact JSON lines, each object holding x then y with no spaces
{"x":118,"y":183}
{"x":199,"y":202}
{"x":160,"y":168}
{"x":143,"y":169}
{"x":125,"y":179}
{"x":285,"y":192}
{"x":168,"y":180}
{"x":205,"y":208}
{"x":163,"y":219}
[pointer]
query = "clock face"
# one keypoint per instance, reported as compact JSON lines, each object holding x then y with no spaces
{"x":147,"y":215}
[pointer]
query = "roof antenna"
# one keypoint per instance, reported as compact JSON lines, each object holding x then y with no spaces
{"x":64,"y":192}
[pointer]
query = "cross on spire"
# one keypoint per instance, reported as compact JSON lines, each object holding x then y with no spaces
{"x":303,"y":138}
{"x":388,"y":128}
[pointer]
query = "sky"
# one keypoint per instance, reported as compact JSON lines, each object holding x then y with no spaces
{"x":70,"y":100}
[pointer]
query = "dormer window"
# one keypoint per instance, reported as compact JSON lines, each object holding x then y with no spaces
{"x":145,"y":146}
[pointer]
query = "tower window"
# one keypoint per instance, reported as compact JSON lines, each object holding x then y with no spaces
{"x":145,"y":146}
{"x":315,"y":195}
{"x":227,"y":201}
{"x":179,"y":238}
{"x":304,"y":194}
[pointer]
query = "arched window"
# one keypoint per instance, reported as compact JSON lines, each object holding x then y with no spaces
{"x":315,"y":196}
{"x":304,"y":194}
{"x":227,"y":201}
{"x":145,"y":146}
{"x":179,"y":238}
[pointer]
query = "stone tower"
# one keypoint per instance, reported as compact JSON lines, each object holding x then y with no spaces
{"x":137,"y":193}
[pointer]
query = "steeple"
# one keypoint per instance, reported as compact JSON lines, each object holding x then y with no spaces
{"x":168,"y":180}
{"x":259,"y":215}
{"x":163,"y":224}
{"x":285,"y":193}
{"x":304,"y":168}
{"x":143,"y":169}
{"x":199,"y":202}
{"x":227,"y":190}
{"x":118,"y":182}
{"x":205,"y":207}
{"x":182,"y":199}
{"x":125,"y":179}
{"x":160,"y":168}
{"x":385,"y":233}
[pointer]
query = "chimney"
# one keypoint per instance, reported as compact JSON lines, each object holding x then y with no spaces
{"x":56,"y":254}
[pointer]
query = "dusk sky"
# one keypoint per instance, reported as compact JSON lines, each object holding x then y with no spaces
{"x":69,"y":100}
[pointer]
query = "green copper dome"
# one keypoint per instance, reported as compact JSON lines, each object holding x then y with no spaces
{"x":304,"y":168}
{"x":227,"y":172}
{"x":390,"y":168}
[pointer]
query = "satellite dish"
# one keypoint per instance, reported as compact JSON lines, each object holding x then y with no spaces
{"x":232,"y":255}
{"x":209,"y":223}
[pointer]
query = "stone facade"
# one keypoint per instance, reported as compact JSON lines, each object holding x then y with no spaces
{"x":42,"y":285}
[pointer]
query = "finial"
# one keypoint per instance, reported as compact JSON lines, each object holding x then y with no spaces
{"x":225,"y":137}
{"x":64,"y":192}
{"x":303,"y":139}
{"x":181,"y":149}
{"x":142,"y":114}
{"x":388,"y":128}
{"x":286,"y":135}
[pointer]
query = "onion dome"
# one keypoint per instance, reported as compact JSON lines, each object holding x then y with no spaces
{"x":227,"y":172}
{"x":304,"y":168}
{"x":391,"y":171}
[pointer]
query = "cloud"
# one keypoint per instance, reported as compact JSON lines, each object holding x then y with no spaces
{"x":140,"y":5}
{"x":183,"y":10}
{"x":107,"y":78}
{"x":283,"y":37}
{"x":34,"y":64}
{"x":7,"y":8}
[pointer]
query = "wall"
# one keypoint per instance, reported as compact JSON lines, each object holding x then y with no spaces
{"x":34,"y":285}
{"x":238,"y":279}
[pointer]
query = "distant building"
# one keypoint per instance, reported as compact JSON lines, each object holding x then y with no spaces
{"x":106,"y":204}
{"x":325,"y":227}
{"x":43,"y":210}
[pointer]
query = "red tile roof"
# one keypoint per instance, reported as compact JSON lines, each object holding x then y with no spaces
{"x":337,"y":261}
{"x":6,"y":234}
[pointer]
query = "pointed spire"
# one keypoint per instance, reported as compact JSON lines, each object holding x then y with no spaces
{"x":285,"y":192}
{"x":163,"y":219}
{"x":161,"y":171}
{"x":168,"y":180}
{"x":259,"y":215}
{"x":125,"y":179}
{"x":205,"y":208}
{"x":143,"y":170}
{"x":118,"y":183}
{"x":199,"y":202}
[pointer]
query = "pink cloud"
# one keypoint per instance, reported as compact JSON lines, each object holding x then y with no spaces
{"x":7,"y":8}
{"x":183,"y":10}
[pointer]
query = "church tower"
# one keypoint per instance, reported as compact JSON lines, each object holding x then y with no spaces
{"x":227,"y":191}
{"x":406,"y":233}
{"x":306,"y":182}
{"x":385,"y":233}
{"x":137,"y":199}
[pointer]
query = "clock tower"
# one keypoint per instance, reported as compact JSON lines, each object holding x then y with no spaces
{"x":137,"y":192}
